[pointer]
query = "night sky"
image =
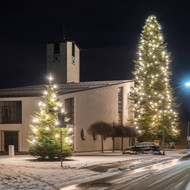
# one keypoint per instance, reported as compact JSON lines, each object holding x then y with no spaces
{"x":107,"y":32}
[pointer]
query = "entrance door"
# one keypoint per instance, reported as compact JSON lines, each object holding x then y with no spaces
{"x":11,"y":138}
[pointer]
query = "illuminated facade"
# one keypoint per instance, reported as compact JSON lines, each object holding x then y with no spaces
{"x":85,"y":102}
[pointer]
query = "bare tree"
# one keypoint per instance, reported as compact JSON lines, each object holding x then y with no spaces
{"x":119,"y":130}
{"x":115,"y":132}
{"x":100,"y":128}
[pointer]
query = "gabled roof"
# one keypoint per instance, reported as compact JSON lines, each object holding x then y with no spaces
{"x":36,"y":90}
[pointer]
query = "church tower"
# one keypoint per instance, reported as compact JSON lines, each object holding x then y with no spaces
{"x":63,"y":61}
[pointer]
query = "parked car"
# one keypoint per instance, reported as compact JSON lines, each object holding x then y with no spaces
{"x":144,"y":146}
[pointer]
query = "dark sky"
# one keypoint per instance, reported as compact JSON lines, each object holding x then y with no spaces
{"x":106,"y":31}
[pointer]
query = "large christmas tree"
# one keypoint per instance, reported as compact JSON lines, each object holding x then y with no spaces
{"x":152,"y":98}
{"x":45,"y":141}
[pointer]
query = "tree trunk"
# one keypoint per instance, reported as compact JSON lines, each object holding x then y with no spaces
{"x":102,"y":143}
{"x":121,"y":143}
{"x":113,"y":141}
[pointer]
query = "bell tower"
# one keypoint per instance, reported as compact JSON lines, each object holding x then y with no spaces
{"x":63,"y":61}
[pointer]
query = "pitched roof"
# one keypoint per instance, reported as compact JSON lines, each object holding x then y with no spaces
{"x":36,"y":90}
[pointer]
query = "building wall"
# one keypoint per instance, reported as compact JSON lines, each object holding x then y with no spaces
{"x":29,"y":106}
{"x":64,"y":69}
{"x":100,"y":104}
{"x":72,"y":68}
{"x":58,"y":69}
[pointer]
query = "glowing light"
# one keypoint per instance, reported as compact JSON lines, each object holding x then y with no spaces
{"x":47,"y":128}
{"x":60,"y":105}
{"x":35,"y":120}
{"x":187,"y":84}
{"x":50,"y":78}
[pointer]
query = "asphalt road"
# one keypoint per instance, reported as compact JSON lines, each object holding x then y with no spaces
{"x":172,"y":175}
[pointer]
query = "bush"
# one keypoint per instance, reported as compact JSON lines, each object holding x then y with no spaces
{"x":49,"y":152}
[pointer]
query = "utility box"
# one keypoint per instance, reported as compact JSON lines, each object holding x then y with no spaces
{"x":11,"y":150}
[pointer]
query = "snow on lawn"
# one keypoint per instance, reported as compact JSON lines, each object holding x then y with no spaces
{"x":24,"y":172}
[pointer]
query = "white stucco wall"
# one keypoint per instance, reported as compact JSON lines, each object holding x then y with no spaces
{"x":72,"y":69}
{"x":29,"y":106}
{"x":99,"y":104}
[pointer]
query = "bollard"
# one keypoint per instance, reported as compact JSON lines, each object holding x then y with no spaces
{"x":11,"y":150}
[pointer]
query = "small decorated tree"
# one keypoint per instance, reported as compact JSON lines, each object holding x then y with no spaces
{"x":152,"y":98}
{"x":45,"y":141}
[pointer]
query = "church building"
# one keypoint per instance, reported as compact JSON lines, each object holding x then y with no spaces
{"x":85,"y":103}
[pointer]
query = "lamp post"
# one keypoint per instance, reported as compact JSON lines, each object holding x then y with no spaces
{"x":188,"y":138}
{"x":62,"y":124}
{"x":163,"y":141}
{"x":187,"y":84}
{"x":61,"y":118}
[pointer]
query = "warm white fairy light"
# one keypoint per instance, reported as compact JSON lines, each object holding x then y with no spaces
{"x":50,"y":78}
{"x":57,"y":123}
{"x":35,"y":120}
{"x":152,"y":54}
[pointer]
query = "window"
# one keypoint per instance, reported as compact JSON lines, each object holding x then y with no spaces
{"x":69,"y":108}
{"x":73,"y":49}
{"x":10,"y":112}
{"x":120,"y":105}
{"x":56,"y":48}
{"x":73,"y":53}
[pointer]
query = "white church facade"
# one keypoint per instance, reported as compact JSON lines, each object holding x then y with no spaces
{"x":85,"y":103}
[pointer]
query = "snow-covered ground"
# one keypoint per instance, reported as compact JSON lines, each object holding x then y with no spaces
{"x":24,"y":172}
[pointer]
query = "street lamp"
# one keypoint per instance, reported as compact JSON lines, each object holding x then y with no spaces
{"x":61,"y":124}
{"x":163,"y":141}
{"x":188,"y":137}
{"x":187,"y":84}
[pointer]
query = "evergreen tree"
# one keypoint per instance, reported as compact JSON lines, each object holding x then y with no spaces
{"x":152,"y":98}
{"x":45,"y":141}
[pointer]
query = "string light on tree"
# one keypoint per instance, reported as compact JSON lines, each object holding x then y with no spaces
{"x":152,"y":92}
{"x":45,"y":141}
